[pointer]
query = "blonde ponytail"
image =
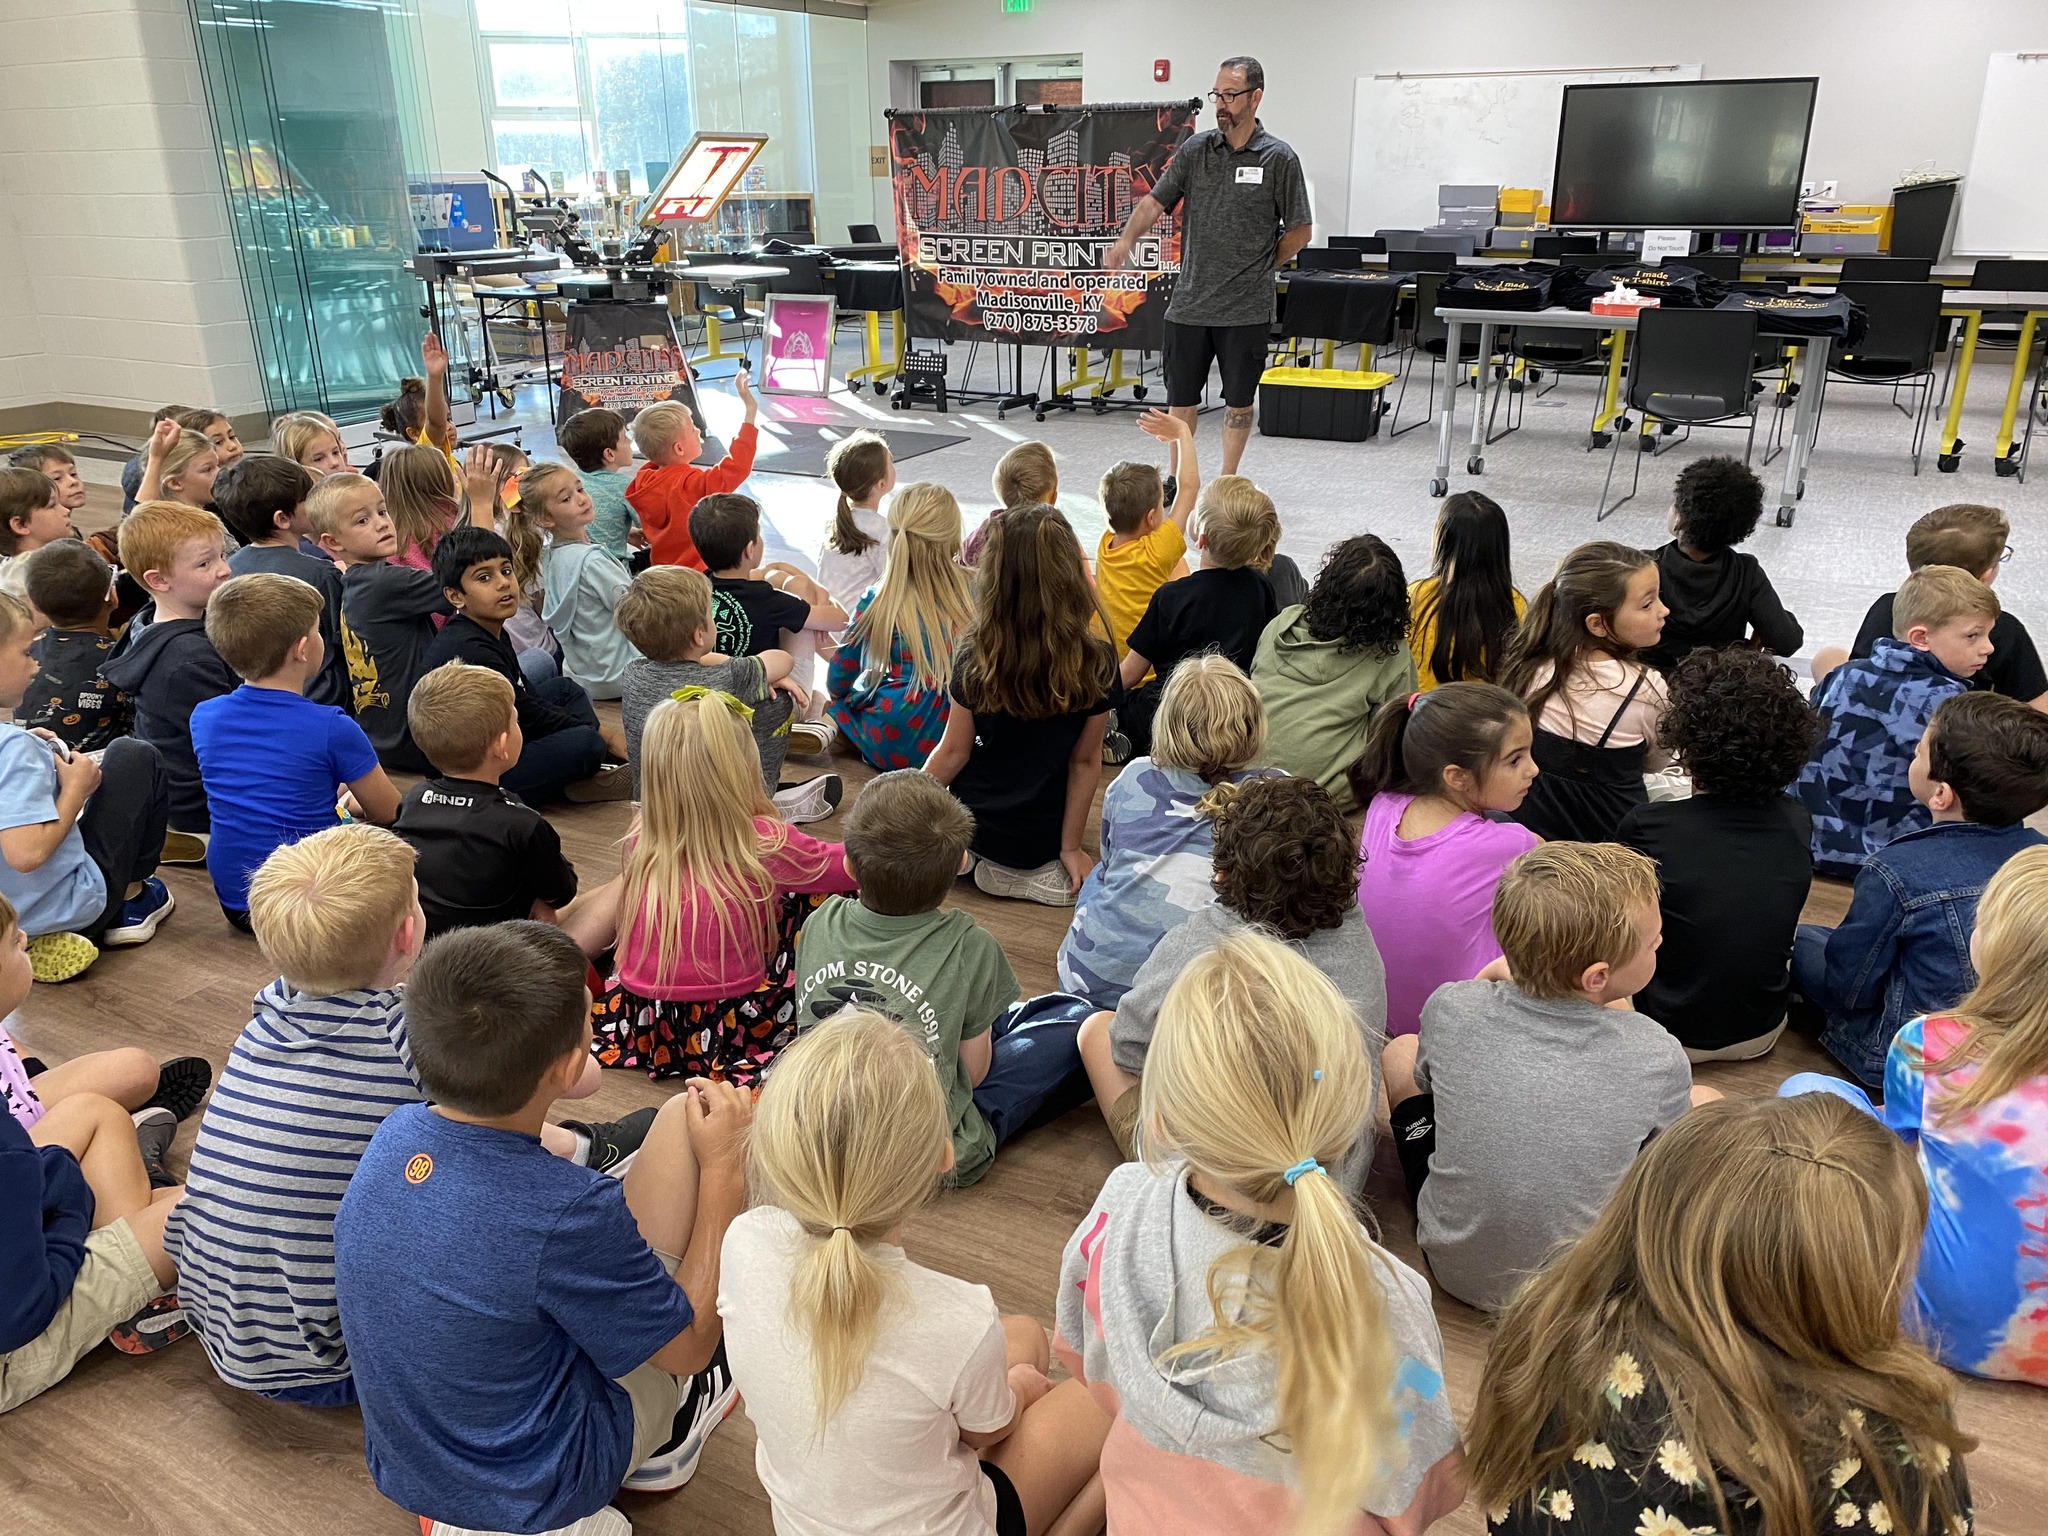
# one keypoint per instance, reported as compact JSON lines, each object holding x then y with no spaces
{"x":850,"y":1139}
{"x":1257,"y":1076}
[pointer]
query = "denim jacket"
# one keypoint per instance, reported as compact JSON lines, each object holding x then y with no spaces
{"x":1904,"y":947}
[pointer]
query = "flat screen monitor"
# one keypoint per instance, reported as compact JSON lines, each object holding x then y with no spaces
{"x":1691,"y":154}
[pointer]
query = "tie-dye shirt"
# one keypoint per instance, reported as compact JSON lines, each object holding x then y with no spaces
{"x":1983,"y":1283}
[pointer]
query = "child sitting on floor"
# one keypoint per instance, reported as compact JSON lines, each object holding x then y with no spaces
{"x":131,"y":472}
{"x":886,"y":1396}
{"x":1717,"y":595}
{"x":1979,"y":770}
{"x":941,"y":976}
{"x":1462,"y":616}
{"x":426,"y":500}
{"x":271,"y":757}
{"x":1967,"y":1089}
{"x":1287,"y":864}
{"x":596,"y":442}
{"x":262,"y":499}
{"x":58,"y":462}
{"x":1873,"y":712}
{"x":1527,"y":1094}
{"x":1324,"y":667}
{"x":218,"y":428}
{"x":31,"y":516}
{"x":856,"y":545}
{"x":567,"y":754}
{"x":555,"y":1341}
{"x":1025,"y":476}
{"x":1146,"y":541}
{"x":1271,"y":1365}
{"x":1156,"y":864}
{"x":1032,"y":690}
{"x":670,"y":483}
{"x":1438,"y":769}
{"x":1733,"y":866}
{"x":889,"y":672}
{"x":716,"y":887}
{"x":1593,"y":703}
{"x":1676,"y":1368}
{"x":180,"y":468}
{"x":311,"y":441}
{"x":581,"y":583}
{"x":70,"y":696}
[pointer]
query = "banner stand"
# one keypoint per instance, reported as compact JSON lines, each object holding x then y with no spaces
{"x":624,"y":357}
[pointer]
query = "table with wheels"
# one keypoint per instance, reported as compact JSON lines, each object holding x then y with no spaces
{"x":1970,"y":305}
{"x":872,"y":289}
{"x":729,"y":276}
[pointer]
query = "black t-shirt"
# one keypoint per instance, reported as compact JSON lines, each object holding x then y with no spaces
{"x":387,"y":629}
{"x":2013,"y":670}
{"x":1735,"y":877}
{"x":1718,"y":601}
{"x":1206,"y":610}
{"x":485,"y":856}
{"x":463,"y":639}
{"x":751,"y":615}
{"x":1015,"y":780}
{"x":71,"y":695}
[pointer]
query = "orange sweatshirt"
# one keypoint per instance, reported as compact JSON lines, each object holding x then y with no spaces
{"x":663,"y":495}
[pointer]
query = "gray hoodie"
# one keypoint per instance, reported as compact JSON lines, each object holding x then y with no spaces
{"x":1193,"y":1447}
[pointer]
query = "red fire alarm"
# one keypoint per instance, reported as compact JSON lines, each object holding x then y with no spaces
{"x":1162,"y":70}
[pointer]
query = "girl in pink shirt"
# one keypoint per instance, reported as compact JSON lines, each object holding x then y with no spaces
{"x":714,"y":891}
{"x":1435,"y":765}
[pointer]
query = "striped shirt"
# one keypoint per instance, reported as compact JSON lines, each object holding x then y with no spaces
{"x":309,"y":1081}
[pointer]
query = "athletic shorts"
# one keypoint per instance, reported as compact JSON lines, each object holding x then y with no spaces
{"x":1009,"y":1508}
{"x":1413,"y":1122}
{"x":1240,"y":350}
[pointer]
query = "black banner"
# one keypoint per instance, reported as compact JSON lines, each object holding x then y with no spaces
{"x":624,"y":357}
{"x":1003,"y":215}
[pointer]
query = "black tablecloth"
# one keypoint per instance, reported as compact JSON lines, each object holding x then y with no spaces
{"x":1340,"y":306}
{"x":874,"y":285}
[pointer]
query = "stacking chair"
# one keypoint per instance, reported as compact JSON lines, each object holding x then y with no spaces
{"x":1370,"y":245}
{"x":1691,"y":367}
{"x":1722,"y":269}
{"x":1329,"y":258}
{"x":1897,"y":349}
{"x":1887,"y":269}
{"x":864,"y":234}
{"x":1432,"y":337}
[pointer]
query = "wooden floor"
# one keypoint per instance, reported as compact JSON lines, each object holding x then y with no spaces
{"x":159,"y":1445}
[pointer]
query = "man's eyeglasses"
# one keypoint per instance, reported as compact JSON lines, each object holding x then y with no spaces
{"x":1220,"y":97}
{"x":2006,"y":556}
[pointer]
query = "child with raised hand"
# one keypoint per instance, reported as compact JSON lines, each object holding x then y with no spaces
{"x":1530,"y":1089}
{"x":419,"y":412}
{"x":886,"y":1397}
{"x":31,"y":516}
{"x":1593,"y":702}
{"x":218,"y":428}
{"x":1857,"y":785}
{"x":716,"y":887}
{"x":1156,"y":866}
{"x":888,"y":675}
{"x":555,"y":1341}
{"x":131,"y":472}
{"x":1979,"y":770}
{"x":856,"y":545}
{"x":426,"y":502}
{"x":1718,"y":595}
{"x":1438,"y":769}
{"x":1025,"y":476}
{"x":1273,"y":1368}
{"x":71,"y":586}
{"x":1286,"y":864}
{"x":271,"y":758}
{"x":1324,"y":668}
{"x":311,"y":441}
{"x":1733,"y":867}
{"x":181,"y":467}
{"x":1462,"y":615}
{"x":597,"y":444}
{"x":262,"y":499}
{"x":581,"y":583}
{"x":1146,"y":541}
{"x":1722,"y":1349}
{"x":1033,"y":685}
{"x":670,"y":483}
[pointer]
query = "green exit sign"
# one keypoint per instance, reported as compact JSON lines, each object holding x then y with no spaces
{"x":1016,"y":5}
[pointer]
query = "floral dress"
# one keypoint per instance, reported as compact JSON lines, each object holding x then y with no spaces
{"x":1641,"y":1479}
{"x":890,"y":718}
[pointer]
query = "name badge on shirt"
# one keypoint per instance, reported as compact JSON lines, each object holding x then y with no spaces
{"x":1251,"y":175}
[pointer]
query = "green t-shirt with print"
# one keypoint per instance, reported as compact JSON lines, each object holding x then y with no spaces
{"x":937,"y":973}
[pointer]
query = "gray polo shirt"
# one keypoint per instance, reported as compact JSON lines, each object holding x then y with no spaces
{"x":1239,"y":203}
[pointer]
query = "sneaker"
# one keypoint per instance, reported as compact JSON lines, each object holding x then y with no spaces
{"x":162,"y":1322}
{"x":60,"y":956}
{"x":812,"y":800}
{"x":606,"y":1522}
{"x":812,"y":736}
{"x":155,"y":1129}
{"x":140,"y":918}
{"x":1116,"y":746}
{"x":1169,"y":490}
{"x":181,"y":1085}
{"x":183,"y":848}
{"x":613,"y":1142}
{"x":614,"y":781}
{"x":1047,"y":884}
{"x":708,"y":1399}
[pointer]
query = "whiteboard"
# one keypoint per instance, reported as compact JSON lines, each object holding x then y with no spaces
{"x":2005,"y":195}
{"x":1409,"y":135}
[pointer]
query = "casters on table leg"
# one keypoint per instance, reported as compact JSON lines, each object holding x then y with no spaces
{"x":1600,"y":440}
{"x":2007,"y":467}
{"x":1948,"y":463}
{"x":1476,"y":465}
{"x":1140,"y":391}
{"x":1101,"y":406}
{"x":1645,"y":443}
{"x":880,"y":387}
{"x":1784,"y":518}
{"x":1439,"y":487}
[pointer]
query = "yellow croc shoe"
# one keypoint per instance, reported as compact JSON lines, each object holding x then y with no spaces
{"x":61,"y":956}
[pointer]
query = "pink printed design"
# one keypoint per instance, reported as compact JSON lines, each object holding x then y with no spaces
{"x":1091,"y":1288}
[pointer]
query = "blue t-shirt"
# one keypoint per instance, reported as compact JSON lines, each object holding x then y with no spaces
{"x":67,"y":891}
{"x":272,"y":761}
{"x":490,"y":1293}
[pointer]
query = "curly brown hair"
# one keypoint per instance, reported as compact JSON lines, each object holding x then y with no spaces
{"x":1285,"y":857}
{"x":1738,"y":723}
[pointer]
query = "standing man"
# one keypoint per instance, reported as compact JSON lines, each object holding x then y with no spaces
{"x":1245,"y":212}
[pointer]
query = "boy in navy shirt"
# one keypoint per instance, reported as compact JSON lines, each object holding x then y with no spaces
{"x":271,"y":758}
{"x":262,"y":499}
{"x":528,"y":1336}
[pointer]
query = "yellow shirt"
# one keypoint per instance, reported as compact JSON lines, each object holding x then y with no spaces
{"x":1127,"y":574}
{"x":1422,"y":628}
